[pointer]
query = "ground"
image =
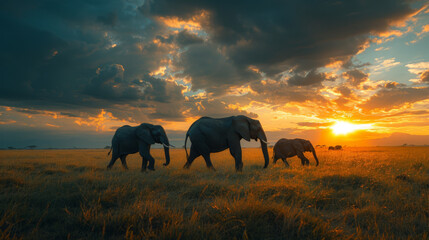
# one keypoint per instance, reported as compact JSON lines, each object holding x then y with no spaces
{"x":356,"y":193}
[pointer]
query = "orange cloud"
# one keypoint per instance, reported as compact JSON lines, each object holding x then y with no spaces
{"x":193,"y":24}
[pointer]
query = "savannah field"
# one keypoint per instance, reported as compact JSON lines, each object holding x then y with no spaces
{"x":357,"y":193}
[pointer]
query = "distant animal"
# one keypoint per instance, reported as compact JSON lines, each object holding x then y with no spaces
{"x":286,"y":148}
{"x":209,"y":135}
{"x":337,"y":147}
{"x":129,"y":140}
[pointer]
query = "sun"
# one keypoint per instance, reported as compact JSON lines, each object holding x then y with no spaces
{"x":341,"y":127}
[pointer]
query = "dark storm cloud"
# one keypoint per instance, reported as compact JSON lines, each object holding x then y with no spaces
{"x":278,"y":92}
{"x":82,"y":56}
{"x":277,"y":36}
{"x":184,"y":38}
{"x":109,"y":19}
{"x":210,"y":70}
{"x":310,"y":78}
{"x":215,"y":108}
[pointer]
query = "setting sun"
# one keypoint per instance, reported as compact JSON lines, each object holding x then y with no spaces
{"x":341,"y":127}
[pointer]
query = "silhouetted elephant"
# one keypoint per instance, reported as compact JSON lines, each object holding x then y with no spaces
{"x":331,"y":148}
{"x":210,"y":135}
{"x":129,"y":140}
{"x":338,"y":147}
{"x":286,"y":148}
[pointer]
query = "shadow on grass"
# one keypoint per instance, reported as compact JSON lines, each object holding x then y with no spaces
{"x":350,"y":182}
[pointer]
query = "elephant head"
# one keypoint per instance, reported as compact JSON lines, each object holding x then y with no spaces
{"x":151,"y":134}
{"x":249,"y":129}
{"x":309,"y":147}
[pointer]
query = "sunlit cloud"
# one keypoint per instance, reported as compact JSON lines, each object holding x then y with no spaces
{"x":384,"y":64}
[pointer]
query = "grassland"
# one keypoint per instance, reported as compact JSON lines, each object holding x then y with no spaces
{"x":357,"y":193}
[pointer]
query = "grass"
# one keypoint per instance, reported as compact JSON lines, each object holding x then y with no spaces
{"x":357,"y":193}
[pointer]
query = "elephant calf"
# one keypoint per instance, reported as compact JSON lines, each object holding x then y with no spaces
{"x":129,"y":140}
{"x":286,"y":148}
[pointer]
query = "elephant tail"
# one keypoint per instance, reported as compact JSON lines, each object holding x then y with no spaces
{"x":110,"y":151}
{"x":186,"y":139}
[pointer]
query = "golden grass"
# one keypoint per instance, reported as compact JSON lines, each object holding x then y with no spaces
{"x":357,"y":193}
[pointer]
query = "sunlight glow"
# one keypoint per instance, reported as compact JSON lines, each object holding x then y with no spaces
{"x":341,"y":127}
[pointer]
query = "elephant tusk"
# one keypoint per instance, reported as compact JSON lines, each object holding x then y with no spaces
{"x":167,"y":146}
{"x":263,"y":141}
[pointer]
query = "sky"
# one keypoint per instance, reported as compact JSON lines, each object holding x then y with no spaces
{"x":74,"y":71}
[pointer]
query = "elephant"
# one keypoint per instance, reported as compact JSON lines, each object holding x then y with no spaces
{"x":209,"y":135}
{"x":129,"y":140}
{"x":286,"y":148}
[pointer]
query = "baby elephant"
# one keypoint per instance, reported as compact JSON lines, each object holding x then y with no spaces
{"x":286,"y":148}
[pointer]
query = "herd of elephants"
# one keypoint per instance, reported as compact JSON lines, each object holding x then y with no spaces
{"x":207,"y":135}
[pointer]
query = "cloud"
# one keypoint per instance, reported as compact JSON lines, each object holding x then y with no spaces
{"x":209,"y":70}
{"x":388,"y":99}
{"x":417,"y":68}
{"x":296,"y":35}
{"x":215,"y":108}
{"x":84,"y":57}
{"x":109,"y":19}
{"x":279,"y":93}
{"x":185,"y":38}
{"x":310,"y":78}
{"x":314,"y":124}
{"x":384,"y":64}
{"x":355,"y":77}
{"x":424,"y":77}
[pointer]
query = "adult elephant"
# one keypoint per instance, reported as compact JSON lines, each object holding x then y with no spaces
{"x":209,"y":135}
{"x":129,"y":140}
{"x":286,"y":148}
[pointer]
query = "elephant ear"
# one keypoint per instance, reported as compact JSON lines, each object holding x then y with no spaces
{"x":242,"y":126}
{"x":143,"y":132}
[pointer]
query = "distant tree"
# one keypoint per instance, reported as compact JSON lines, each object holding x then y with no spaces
{"x":11,"y":148}
{"x":31,"y":147}
{"x":107,"y":147}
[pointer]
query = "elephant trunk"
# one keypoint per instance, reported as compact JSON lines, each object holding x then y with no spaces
{"x":263,"y":139}
{"x":314,"y":154}
{"x":167,"y":156}
{"x":166,"y":144}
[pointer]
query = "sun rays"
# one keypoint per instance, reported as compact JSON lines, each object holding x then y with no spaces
{"x":342,"y":127}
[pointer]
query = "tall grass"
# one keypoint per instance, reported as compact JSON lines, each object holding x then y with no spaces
{"x":357,"y":193}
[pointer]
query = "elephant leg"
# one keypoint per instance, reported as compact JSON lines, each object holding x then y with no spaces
{"x":124,"y":161}
{"x":112,"y":161}
{"x":304,"y":160}
{"x":209,"y":164}
{"x":236,"y":153}
{"x":144,"y":164}
{"x":275,"y":160}
{"x":192,"y":155}
{"x":285,"y":161}
{"x":151,"y":165}
{"x":145,"y":154}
